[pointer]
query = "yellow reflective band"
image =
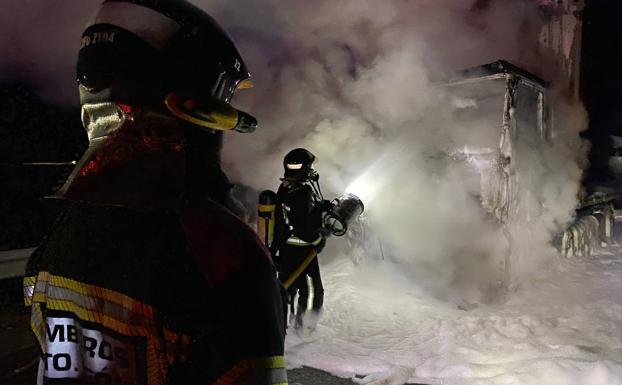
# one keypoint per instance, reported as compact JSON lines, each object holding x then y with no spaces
{"x":29,"y":289}
{"x":266,"y":208}
{"x":86,"y":301}
{"x":245,"y":84}
{"x":268,"y":362}
{"x":110,"y":309}
{"x":44,"y":278}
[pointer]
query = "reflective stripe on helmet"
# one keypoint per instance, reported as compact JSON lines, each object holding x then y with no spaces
{"x":151,"y":26}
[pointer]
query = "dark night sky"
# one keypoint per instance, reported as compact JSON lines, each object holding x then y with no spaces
{"x":602,"y":85}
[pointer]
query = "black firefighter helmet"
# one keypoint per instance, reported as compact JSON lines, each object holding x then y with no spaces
{"x":298,"y":164}
{"x":156,"y":78}
{"x":164,"y":55}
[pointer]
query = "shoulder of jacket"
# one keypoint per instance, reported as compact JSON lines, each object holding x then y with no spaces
{"x":300,"y":189}
{"x":221,"y":243}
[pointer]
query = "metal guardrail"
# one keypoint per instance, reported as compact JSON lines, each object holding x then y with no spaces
{"x":13,"y":262}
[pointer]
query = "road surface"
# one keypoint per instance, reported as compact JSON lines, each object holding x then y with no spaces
{"x":18,"y":355}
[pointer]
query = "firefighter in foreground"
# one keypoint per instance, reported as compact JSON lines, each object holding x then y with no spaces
{"x":140,"y":280}
{"x":299,"y":234}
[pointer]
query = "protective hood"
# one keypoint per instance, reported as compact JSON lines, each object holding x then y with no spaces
{"x":135,"y":159}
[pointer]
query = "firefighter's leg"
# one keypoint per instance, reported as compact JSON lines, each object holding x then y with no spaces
{"x":318,"y":288}
{"x":291,"y":297}
{"x":303,"y":298}
{"x":286,"y":259}
{"x":298,"y":287}
{"x":286,"y":305}
{"x":293,"y":256}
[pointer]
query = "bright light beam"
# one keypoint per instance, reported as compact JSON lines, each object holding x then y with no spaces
{"x":363,"y":188}
{"x":369,"y":184}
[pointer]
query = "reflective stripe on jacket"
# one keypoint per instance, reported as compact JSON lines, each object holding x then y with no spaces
{"x":128,"y":297}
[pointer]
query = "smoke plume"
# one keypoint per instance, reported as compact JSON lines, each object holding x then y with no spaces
{"x":354,"y":84}
{"x":39,"y":41}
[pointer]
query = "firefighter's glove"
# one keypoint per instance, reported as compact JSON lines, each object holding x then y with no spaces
{"x":327,"y":205}
{"x":325,"y":232}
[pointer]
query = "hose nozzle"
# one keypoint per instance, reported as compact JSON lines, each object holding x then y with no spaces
{"x":347,"y":208}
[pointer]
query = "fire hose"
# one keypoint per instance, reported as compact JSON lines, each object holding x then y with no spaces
{"x":294,"y":276}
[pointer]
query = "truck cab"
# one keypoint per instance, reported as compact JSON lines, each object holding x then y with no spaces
{"x":511,"y":131}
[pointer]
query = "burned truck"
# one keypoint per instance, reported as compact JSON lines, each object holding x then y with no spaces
{"x":507,"y":105}
{"x":508,"y":156}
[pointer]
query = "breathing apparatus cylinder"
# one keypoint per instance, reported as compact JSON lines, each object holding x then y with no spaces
{"x":347,"y":208}
{"x":266,"y":216}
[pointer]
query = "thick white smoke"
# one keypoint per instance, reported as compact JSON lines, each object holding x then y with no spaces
{"x":351,"y":82}
{"x":39,"y":41}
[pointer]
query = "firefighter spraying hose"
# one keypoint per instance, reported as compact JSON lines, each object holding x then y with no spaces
{"x":295,"y":223}
{"x":347,"y":208}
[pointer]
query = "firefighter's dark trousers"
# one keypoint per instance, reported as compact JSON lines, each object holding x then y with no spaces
{"x":291,"y":257}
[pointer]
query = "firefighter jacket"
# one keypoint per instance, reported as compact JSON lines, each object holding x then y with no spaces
{"x":134,"y":286}
{"x":155,"y":298}
{"x":298,"y":216}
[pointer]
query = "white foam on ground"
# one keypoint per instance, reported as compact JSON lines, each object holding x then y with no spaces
{"x":561,"y":328}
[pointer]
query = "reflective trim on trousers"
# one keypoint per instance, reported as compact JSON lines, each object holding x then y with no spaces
{"x":295,"y":241}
